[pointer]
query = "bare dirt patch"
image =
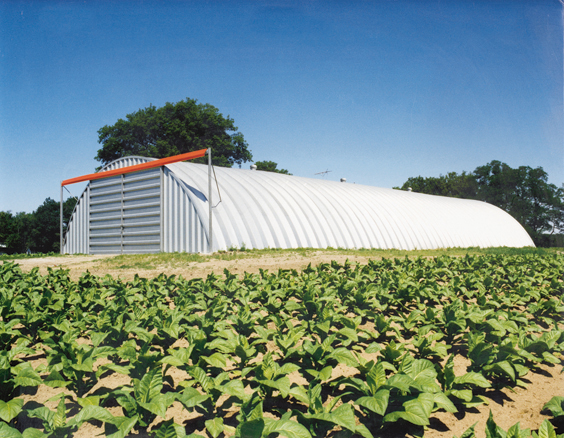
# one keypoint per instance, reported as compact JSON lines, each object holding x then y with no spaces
{"x":100,"y":265}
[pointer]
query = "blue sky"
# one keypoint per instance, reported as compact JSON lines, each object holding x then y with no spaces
{"x":374,"y":91}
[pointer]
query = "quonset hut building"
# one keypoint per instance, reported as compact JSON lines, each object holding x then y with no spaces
{"x":167,"y":209}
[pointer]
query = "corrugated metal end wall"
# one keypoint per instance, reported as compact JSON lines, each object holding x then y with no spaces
{"x":125,"y":213}
{"x":122,"y":214}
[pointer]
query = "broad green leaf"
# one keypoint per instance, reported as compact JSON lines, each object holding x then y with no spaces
{"x":93,"y":400}
{"x":215,"y":360}
{"x":159,"y":404}
{"x":289,"y":368}
{"x":9,"y":432}
{"x":43,"y":413}
{"x":167,"y":429}
{"x":377,"y":403}
{"x":546,"y":430}
{"x":469,"y":433}
{"x":251,"y":409}
{"x":417,"y":411}
{"x":286,"y":428}
{"x":215,"y":426}
{"x":125,"y":370}
{"x":191,"y":397}
{"x":503,"y":367}
{"x":477,"y":401}
{"x":463,"y":394}
{"x":376,"y":377}
{"x":373,"y":348}
{"x":443,"y":402}
{"x":251,"y":429}
{"x":550,"y":358}
{"x":551,"y":337}
{"x":422,"y":369}
{"x":98,"y":337}
{"x":515,"y":431}
{"x":555,"y":405}
{"x":60,"y":418}
{"x":350,"y":334}
{"x":299,"y":393}
{"x":472,"y":378}
{"x":344,"y":416}
{"x":11,"y":409}
{"x":282,"y":385}
{"x":344,"y":356}
{"x":121,"y":427}
{"x":55,"y":380}
{"x":27,"y":376}
{"x":172,"y":360}
{"x":234,"y":388}
{"x":493,"y":430}
{"x":400,"y":381}
{"x":201,"y":377}
{"x":91,"y":413}
{"x":30,"y":432}
{"x":326,"y":373}
{"x":362,"y":430}
{"x":149,"y":386}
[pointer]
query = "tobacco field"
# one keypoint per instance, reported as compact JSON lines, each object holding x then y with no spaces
{"x":262,"y":355}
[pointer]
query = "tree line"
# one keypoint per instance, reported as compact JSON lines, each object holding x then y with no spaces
{"x":38,"y":231}
{"x":524,"y":193}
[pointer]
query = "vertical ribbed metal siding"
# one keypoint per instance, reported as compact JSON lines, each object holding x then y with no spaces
{"x":125,"y":213}
{"x":142,"y":212}
{"x":106,"y":215}
{"x":76,"y":238}
{"x":182,"y":227}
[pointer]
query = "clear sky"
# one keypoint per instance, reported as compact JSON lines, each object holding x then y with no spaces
{"x":374,"y":91}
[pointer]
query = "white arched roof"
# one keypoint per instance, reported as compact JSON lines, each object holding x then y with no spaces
{"x":266,"y":209}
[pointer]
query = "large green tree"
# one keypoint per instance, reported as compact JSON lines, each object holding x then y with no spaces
{"x":524,"y":193}
{"x":173,"y":129}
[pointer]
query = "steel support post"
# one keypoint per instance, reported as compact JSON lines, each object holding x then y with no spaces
{"x":210,"y":234}
{"x":61,"y":222}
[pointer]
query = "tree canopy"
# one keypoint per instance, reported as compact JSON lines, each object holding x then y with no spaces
{"x":524,"y":193}
{"x":173,"y":129}
{"x":270,"y":166}
{"x":37,"y":231}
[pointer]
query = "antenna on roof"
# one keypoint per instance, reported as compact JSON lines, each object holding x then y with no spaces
{"x":323,"y":173}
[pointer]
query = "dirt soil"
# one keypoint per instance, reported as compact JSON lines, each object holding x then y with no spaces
{"x":522,"y":405}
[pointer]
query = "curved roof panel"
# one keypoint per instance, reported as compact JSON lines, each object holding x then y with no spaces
{"x":266,"y":209}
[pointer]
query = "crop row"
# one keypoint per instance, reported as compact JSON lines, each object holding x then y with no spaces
{"x":346,"y":347}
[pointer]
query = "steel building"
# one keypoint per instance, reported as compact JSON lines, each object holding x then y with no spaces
{"x":166,"y":209}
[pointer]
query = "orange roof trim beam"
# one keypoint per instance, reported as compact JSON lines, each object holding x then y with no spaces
{"x":136,"y":167}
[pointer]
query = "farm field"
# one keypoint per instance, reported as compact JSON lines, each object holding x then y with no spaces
{"x":354,"y":344}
